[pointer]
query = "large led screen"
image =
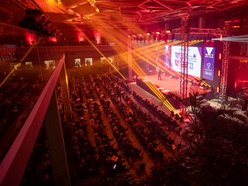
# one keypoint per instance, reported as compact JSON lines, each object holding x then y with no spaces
{"x":194,"y":60}
{"x":167,"y":56}
{"x":208,"y":63}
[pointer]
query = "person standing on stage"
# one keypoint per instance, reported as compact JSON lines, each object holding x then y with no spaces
{"x":159,"y":73}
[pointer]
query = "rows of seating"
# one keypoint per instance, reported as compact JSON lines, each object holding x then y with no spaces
{"x":7,"y":54}
{"x":163,"y":121}
{"x":146,"y":129}
{"x":145,"y":136}
{"x":150,"y":115}
{"x":154,"y":110}
{"x":130,"y":152}
{"x":101,"y":103}
{"x":17,"y":96}
{"x":100,"y":87}
{"x":101,"y":160}
{"x":153,"y":126}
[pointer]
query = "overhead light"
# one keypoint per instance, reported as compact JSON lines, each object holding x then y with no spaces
{"x":92,"y":2}
{"x":59,"y":2}
{"x":97,"y":10}
{"x":83,"y":3}
{"x":236,"y":26}
{"x":74,"y":6}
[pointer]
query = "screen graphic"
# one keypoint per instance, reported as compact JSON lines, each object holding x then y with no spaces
{"x":88,"y":61}
{"x":167,"y":56}
{"x":208,"y":63}
{"x":194,"y":60}
{"x":77,"y":62}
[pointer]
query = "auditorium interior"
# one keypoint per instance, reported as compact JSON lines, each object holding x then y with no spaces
{"x":123,"y":92}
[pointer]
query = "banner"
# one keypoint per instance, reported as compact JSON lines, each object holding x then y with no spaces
{"x":208,"y":63}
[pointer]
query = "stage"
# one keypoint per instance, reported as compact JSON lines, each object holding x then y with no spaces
{"x":165,"y":85}
{"x":170,"y":87}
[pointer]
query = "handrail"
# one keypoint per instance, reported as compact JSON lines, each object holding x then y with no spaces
{"x":14,"y":163}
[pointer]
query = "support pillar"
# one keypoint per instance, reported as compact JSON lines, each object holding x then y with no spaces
{"x":56,"y":144}
{"x":201,"y":22}
{"x":225,"y":63}
{"x":184,"y":62}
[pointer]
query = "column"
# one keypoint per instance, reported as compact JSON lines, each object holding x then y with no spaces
{"x":56,"y":144}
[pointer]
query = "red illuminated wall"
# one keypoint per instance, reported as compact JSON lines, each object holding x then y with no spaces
{"x":243,"y":72}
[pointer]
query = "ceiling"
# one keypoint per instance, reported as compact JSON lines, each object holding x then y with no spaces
{"x":136,"y":11}
{"x":128,"y":13}
{"x":68,"y":14}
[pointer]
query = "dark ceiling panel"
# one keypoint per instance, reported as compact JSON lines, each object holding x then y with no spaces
{"x":142,"y":12}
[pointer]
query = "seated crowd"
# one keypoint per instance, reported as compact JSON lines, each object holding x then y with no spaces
{"x":98,"y":144}
{"x":7,"y":53}
{"x":39,"y":168}
{"x":99,"y":103}
{"x":17,"y":97}
{"x":98,"y":159}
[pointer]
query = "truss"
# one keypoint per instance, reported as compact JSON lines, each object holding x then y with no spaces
{"x":184,"y":61}
{"x":203,"y":33}
{"x":225,"y":61}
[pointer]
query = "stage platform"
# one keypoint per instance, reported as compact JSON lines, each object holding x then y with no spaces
{"x":170,"y":87}
{"x":171,"y":84}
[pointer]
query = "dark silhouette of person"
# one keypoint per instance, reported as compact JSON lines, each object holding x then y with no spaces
{"x":31,"y":19}
{"x":159,"y":74}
